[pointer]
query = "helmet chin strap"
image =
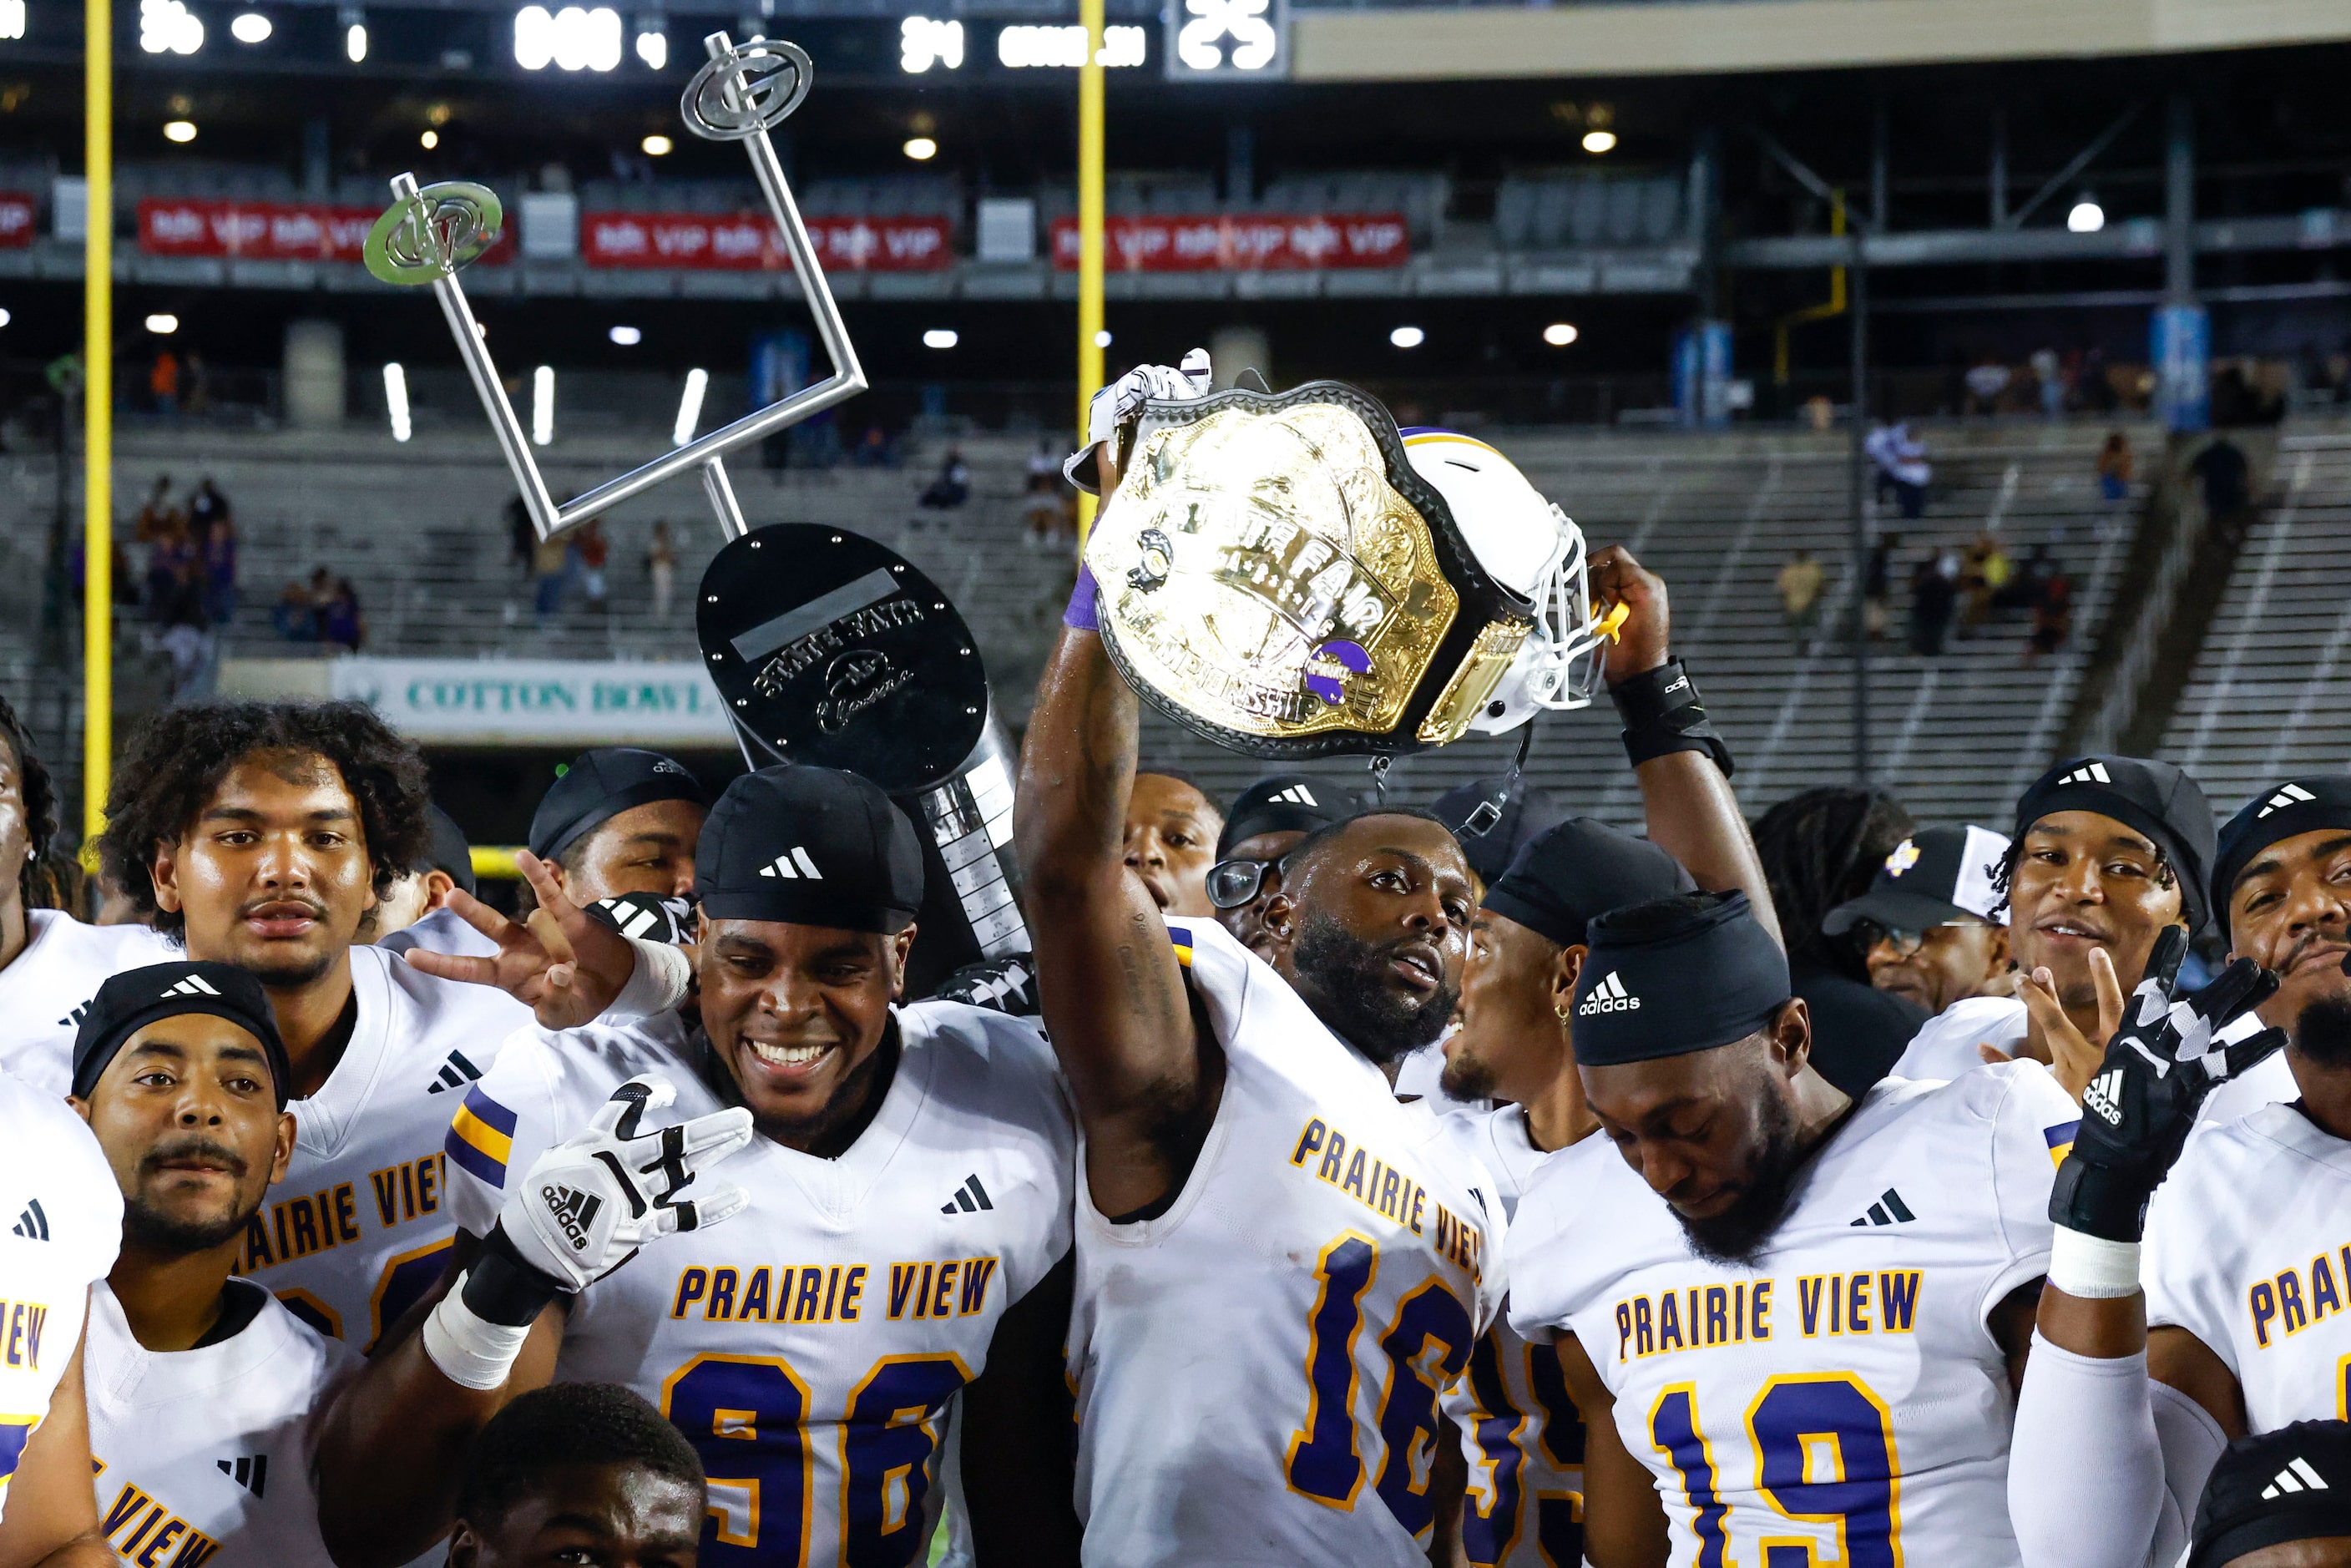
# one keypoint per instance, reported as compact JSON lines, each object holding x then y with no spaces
{"x":1487,"y":815}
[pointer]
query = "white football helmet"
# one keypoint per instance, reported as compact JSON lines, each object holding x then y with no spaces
{"x":1533,"y":548}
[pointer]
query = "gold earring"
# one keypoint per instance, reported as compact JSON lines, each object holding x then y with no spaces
{"x":1564,"y":1020}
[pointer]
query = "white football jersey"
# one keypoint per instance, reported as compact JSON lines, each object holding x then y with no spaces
{"x":2249,"y":1249}
{"x":60,"y":1226}
{"x":44,"y":993}
{"x":1944,"y":1045}
{"x":809,"y":1346}
{"x":208,"y":1450}
{"x":1842,"y":1399}
{"x":1257,"y":1367}
{"x":1421,"y":1076}
{"x":1519,"y":1428}
{"x":358,"y":1229}
{"x":441,"y":931}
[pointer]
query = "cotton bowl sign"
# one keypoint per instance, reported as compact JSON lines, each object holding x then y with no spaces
{"x":750,"y":243}
{"x":538,"y":701}
{"x":1249,"y":242}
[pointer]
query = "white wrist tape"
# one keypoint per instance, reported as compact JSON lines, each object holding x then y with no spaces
{"x":660,"y":981}
{"x":2091,"y":1267}
{"x":471,"y":1350}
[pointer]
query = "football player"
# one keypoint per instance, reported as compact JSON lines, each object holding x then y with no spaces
{"x":201,"y":1385}
{"x":1933,"y":929}
{"x":1793,"y":1321}
{"x":50,"y":962}
{"x":66,"y":1229}
{"x":2281,"y":1500}
{"x":581,"y":1472}
{"x":620,"y":819}
{"x":1172,"y":829}
{"x":2242,"y":1326}
{"x":261,"y":834}
{"x":415,"y":911}
{"x":908,"y":1188}
{"x":1270,"y":819}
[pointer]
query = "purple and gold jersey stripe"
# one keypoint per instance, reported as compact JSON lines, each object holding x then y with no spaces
{"x":1181,"y":936}
{"x":481,"y":1137}
{"x":2060,"y":1139}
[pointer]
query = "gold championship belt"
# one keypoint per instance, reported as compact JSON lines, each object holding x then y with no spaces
{"x":1274,"y":573}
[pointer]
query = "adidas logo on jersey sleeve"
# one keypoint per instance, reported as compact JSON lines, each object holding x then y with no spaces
{"x":969,"y":1198}
{"x":1889,"y":1209}
{"x":2299,"y":1476}
{"x":2104,"y":1097}
{"x":573,"y":1209}
{"x":456,"y":1073}
{"x":193,"y":985}
{"x":33,"y":1225}
{"x":2089,"y":773}
{"x":250,"y":1471}
{"x":1608,"y":997}
{"x":793,"y":866}
{"x":2292,"y":795}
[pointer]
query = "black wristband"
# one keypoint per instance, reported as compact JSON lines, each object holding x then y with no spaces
{"x":1662,"y":714}
{"x":2099,"y":1201}
{"x":500,"y":1288}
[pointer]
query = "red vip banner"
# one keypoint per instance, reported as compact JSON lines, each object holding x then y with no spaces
{"x":1246,"y":243}
{"x":749,"y":243}
{"x":16,"y":211}
{"x":265,"y":231}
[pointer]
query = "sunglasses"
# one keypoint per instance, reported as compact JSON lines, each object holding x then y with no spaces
{"x":1868,"y":933}
{"x":1235,"y":883}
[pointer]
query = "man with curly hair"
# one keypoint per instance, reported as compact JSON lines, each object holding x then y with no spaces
{"x":50,"y":964}
{"x":261,"y":834}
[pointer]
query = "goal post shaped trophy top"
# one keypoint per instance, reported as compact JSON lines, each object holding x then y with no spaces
{"x":428,"y":233}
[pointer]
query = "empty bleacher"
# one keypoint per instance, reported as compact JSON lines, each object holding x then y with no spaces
{"x":2270,"y":695}
{"x":1558,"y":211}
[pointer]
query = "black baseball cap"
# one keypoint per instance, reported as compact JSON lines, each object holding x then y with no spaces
{"x":599,"y":784}
{"x":1570,"y":874}
{"x":2295,"y":807}
{"x":2292,"y":1484}
{"x":1934,"y":877}
{"x":1285,"y":803}
{"x":451,"y":852}
{"x":2145,"y":796}
{"x":1495,"y":819}
{"x":808,"y":846}
{"x":129,"y":1001}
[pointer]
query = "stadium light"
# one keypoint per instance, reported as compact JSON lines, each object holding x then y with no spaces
{"x":252,"y":27}
{"x":5,"y":317}
{"x":2087,"y":217}
{"x":168,"y":27}
{"x":12,"y":18}
{"x":652,"y":44}
{"x":162,"y":323}
{"x":921,"y":148}
{"x":179,"y":131}
{"x":572,"y":39}
{"x":1065,"y":48}
{"x":429,"y":140}
{"x":395,"y":399}
{"x":689,"y":406}
{"x":355,"y":38}
{"x":657,"y":146}
{"x":543,"y":405}
{"x":1560,"y":334}
{"x":1599,"y":141}
{"x":940,"y":337}
{"x":627,"y":337}
{"x":923,"y":42}
{"x":1407,"y":337}
{"x":1102,"y":339}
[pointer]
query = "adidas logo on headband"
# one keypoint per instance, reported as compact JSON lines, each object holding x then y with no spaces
{"x":2292,"y":795}
{"x":193,"y":985}
{"x":1609,"y":996}
{"x":784,"y":866}
{"x":2093,"y":773}
{"x":1296,"y":795}
{"x":2299,"y":1476}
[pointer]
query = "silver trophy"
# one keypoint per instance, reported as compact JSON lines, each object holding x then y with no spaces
{"x":740,"y":94}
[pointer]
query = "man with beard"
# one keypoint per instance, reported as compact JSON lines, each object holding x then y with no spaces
{"x":2242,"y":1326}
{"x":261,"y":834}
{"x":1765,"y":1281}
{"x":904,"y":1204}
{"x":202,"y":1386}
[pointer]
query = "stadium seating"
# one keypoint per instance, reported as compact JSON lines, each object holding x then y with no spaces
{"x":2266,"y":697}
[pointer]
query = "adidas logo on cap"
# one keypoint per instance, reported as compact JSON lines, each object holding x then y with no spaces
{"x":2104,"y":1095}
{"x":193,"y":985}
{"x":1298,"y":795}
{"x":794,"y":865}
{"x":2299,"y":1476}
{"x":2292,"y":795}
{"x":2089,"y":773}
{"x":1608,"y":997}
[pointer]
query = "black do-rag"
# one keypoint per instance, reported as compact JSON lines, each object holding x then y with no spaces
{"x":601,"y":784}
{"x":1569,"y":875}
{"x":451,"y":852}
{"x":1285,"y":803}
{"x":2295,"y":807}
{"x":129,"y":1001}
{"x":2292,"y":1484}
{"x":1676,"y":976}
{"x":2152,"y":798}
{"x":808,"y":846}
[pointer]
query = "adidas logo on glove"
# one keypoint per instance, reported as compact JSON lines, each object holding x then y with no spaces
{"x":574,"y":1210}
{"x":1608,"y":997}
{"x":2105,"y":1097}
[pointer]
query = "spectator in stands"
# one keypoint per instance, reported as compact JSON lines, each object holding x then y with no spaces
{"x":340,"y":621}
{"x":1800,"y":595}
{"x":182,"y":612}
{"x":1934,"y":596}
{"x":157,"y":517}
{"x":952,"y":486}
{"x":1902,"y":466}
{"x":551,"y":563}
{"x":875,"y":451}
{"x":1877,"y":587}
{"x":1044,"y":508}
{"x":163,"y":384}
{"x":294,"y":617}
{"x":590,"y":552}
{"x":2049,"y":380}
{"x":1986,"y":379}
{"x":1821,"y":849}
{"x":1983,"y":575}
{"x":2115,"y":467}
{"x":170,"y":558}
{"x":1820,"y":413}
{"x":2222,"y":469}
{"x":522,"y":537}
{"x":2053,"y":615}
{"x":661,"y":564}
{"x":219,"y":563}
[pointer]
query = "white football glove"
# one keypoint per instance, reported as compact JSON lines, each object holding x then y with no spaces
{"x":589,"y":1202}
{"x":1122,"y":402}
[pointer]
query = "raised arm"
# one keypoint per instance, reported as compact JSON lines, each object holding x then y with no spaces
{"x":1685,"y":797}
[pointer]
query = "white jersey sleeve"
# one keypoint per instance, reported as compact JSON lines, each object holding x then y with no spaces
{"x":60,"y":1227}
{"x":49,"y":985}
{"x":441,"y":930}
{"x":1944,"y":1045}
